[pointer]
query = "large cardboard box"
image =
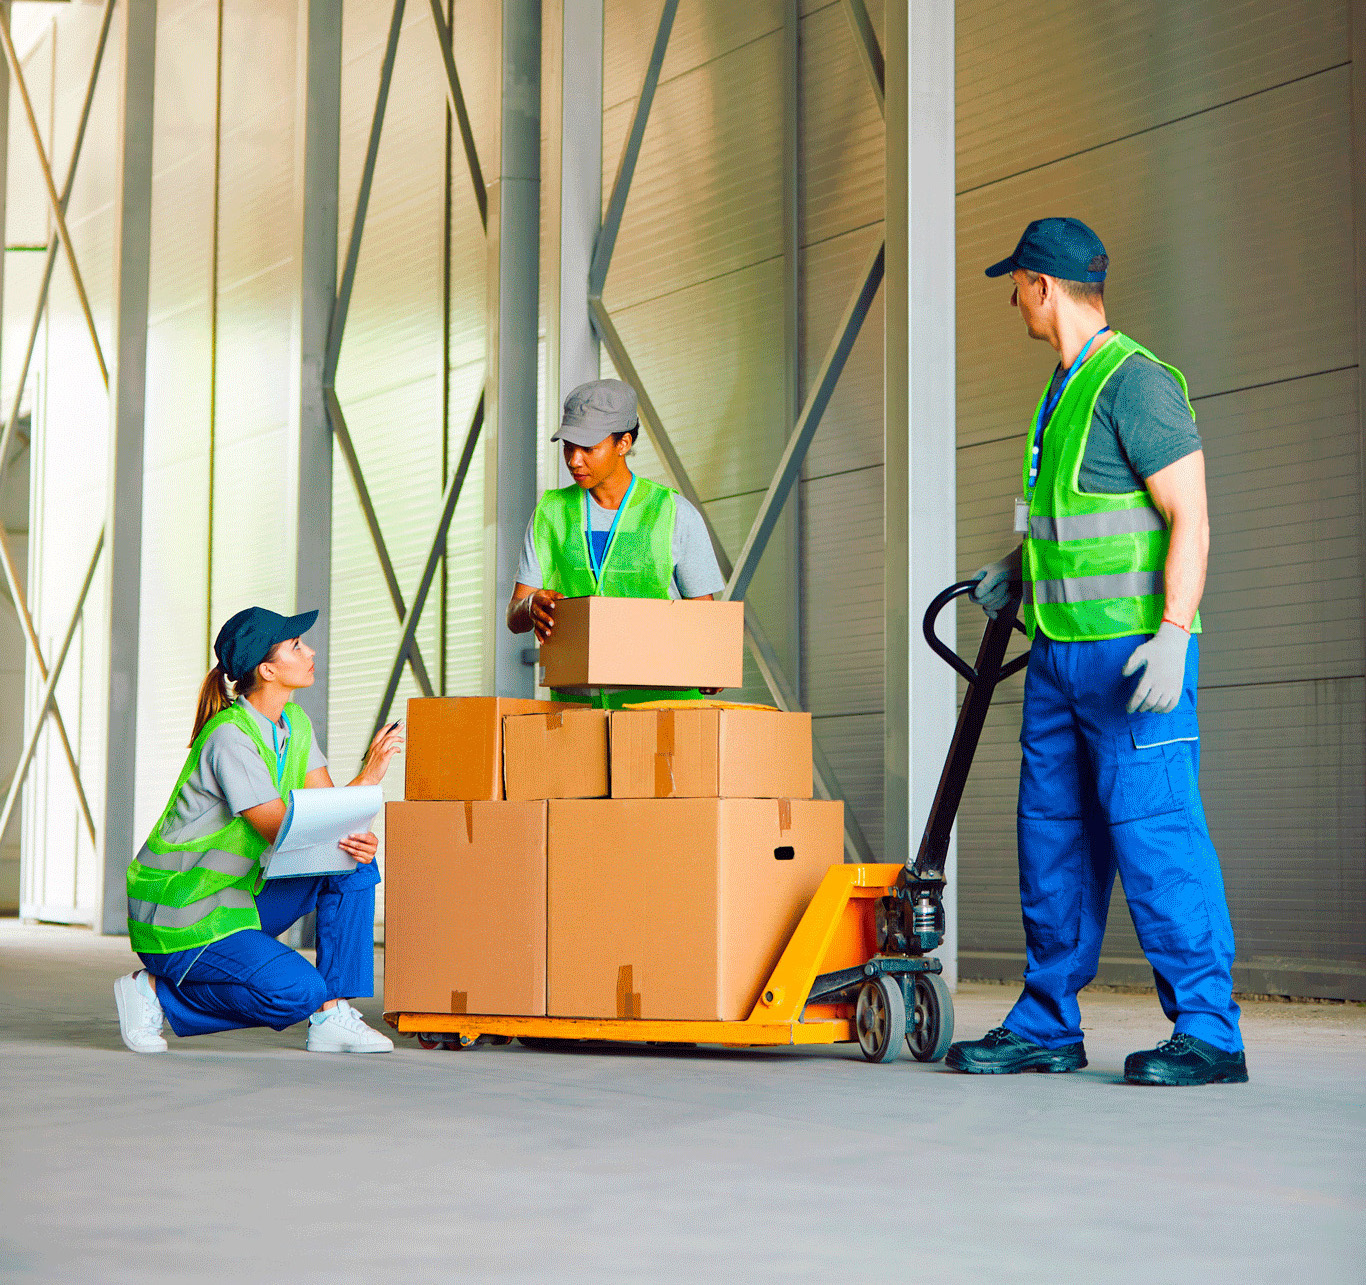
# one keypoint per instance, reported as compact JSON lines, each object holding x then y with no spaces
{"x":678,"y":908}
{"x":455,"y":744}
{"x":711,"y":753}
{"x":645,"y":642}
{"x":464,"y":911}
{"x":556,"y":756}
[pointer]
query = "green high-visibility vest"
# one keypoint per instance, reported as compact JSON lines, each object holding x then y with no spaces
{"x":639,"y":562}
{"x":188,"y":894}
{"x":1093,"y":563}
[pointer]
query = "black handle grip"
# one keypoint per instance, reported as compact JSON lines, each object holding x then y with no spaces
{"x":937,"y":645}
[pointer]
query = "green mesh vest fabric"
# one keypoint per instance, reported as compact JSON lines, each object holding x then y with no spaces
{"x":185,"y":895}
{"x":639,"y":563}
{"x":1093,"y":563}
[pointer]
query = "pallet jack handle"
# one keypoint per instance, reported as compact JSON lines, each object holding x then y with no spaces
{"x":982,"y":679}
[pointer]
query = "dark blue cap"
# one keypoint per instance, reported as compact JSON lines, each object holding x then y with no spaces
{"x":246,"y":639}
{"x":1064,"y":248}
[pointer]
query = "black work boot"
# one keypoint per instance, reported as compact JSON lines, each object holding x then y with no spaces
{"x":1183,"y":1059}
{"x":1002,"y":1052}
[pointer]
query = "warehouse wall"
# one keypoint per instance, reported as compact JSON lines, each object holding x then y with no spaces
{"x":1209,"y":145}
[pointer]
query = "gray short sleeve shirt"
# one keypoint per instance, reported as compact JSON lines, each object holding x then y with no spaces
{"x":230,"y":778}
{"x":696,"y":573}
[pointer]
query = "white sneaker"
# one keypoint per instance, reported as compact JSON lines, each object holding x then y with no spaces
{"x":343,"y":1030}
{"x":140,"y":1016}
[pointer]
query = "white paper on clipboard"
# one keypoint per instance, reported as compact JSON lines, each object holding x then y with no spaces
{"x":315,"y":822}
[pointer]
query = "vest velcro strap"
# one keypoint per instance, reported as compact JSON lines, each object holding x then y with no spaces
{"x":1096,"y":526}
{"x":153,"y":912}
{"x":1129,"y":584}
{"x":183,"y":859}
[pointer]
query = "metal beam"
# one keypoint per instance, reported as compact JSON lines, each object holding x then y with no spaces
{"x":127,"y":404}
{"x":630,"y":154}
{"x":435,"y":551}
{"x":444,"y":36}
{"x":54,"y":200}
{"x":342,"y":305}
{"x":514,"y":240}
{"x":316,"y":166}
{"x":47,"y":701}
{"x":870,"y":52}
{"x":790,"y":466}
{"x":919,"y":474}
{"x":386,"y":565}
{"x":11,"y":573}
{"x":52,"y":245}
{"x":765,"y":656}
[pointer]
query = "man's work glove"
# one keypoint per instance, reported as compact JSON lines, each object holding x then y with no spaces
{"x":1163,"y":661}
{"x":994,"y":582}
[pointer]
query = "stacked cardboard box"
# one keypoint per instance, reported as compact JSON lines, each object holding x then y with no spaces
{"x":551,"y":859}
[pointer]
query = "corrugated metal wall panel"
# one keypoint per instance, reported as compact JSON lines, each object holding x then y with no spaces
{"x":1247,"y":185}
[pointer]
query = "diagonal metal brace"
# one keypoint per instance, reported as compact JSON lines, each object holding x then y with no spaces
{"x":794,"y":456}
{"x":47,"y":702}
{"x":434,"y":554}
{"x":870,"y":52}
{"x":444,"y":36}
{"x":348,"y":450}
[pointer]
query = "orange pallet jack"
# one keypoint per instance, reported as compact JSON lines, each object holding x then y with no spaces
{"x":858,"y":965}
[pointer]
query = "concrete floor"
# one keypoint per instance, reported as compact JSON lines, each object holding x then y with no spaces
{"x":239,"y":1157}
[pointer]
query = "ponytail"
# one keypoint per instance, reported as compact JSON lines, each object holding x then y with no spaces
{"x":214,"y":698}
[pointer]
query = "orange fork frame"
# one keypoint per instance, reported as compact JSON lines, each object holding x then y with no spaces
{"x":836,"y":931}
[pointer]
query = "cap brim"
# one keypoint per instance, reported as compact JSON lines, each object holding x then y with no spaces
{"x":1000,"y":269}
{"x":295,"y":626}
{"x":581,"y":435}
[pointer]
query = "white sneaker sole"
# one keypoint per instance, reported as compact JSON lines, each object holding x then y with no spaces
{"x":346,"y":1046}
{"x":147,"y":1044}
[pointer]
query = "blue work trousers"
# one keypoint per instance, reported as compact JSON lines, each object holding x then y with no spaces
{"x":1102,"y":790}
{"x":250,"y":979}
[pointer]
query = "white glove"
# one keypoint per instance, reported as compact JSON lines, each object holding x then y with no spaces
{"x":1163,"y":661}
{"x":994,"y":583}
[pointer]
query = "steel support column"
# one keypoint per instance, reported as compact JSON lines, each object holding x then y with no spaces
{"x":316,"y":165}
{"x":514,"y":234}
{"x":127,"y":397}
{"x":574,"y":357}
{"x":919,"y":477}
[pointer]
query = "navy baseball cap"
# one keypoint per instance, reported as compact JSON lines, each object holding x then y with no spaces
{"x":1064,"y":248}
{"x":246,"y":639}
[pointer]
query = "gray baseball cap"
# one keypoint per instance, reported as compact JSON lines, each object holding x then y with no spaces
{"x":596,"y":410}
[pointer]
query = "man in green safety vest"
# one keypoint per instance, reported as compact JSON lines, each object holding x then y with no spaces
{"x":610,"y":532}
{"x":1115,"y":529}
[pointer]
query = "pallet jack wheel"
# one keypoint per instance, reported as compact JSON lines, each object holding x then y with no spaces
{"x":429,"y":1041}
{"x":456,"y":1043}
{"x":931,"y":1026}
{"x":880,"y":1019}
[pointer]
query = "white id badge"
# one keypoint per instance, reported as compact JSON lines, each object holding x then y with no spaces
{"x":1021,"y":516}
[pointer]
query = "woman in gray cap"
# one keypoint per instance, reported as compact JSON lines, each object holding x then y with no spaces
{"x":609,"y":532}
{"x":199,"y":914}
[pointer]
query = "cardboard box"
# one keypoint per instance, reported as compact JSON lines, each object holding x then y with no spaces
{"x":645,"y":642}
{"x":711,"y":753}
{"x":556,"y":756}
{"x":464,"y":916}
{"x":455,"y":745}
{"x":678,"y":908}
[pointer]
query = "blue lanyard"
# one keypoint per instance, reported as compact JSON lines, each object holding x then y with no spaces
{"x":281,"y":751}
{"x":1050,"y":404}
{"x":611,"y":534}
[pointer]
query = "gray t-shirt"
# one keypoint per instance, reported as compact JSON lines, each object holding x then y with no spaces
{"x":230,"y":778}
{"x":695,"y":571}
{"x":1140,"y":425}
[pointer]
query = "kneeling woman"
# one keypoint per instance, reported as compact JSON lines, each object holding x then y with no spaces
{"x":200,"y":914}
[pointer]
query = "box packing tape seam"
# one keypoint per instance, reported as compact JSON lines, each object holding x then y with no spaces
{"x":460,"y":1002}
{"x":628,"y":999}
{"x":469,"y":821}
{"x":664,"y":753}
{"x":784,"y":815}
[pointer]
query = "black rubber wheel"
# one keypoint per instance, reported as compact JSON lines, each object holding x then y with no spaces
{"x":498,"y":1039}
{"x":931,"y":1026}
{"x":880,"y":1019}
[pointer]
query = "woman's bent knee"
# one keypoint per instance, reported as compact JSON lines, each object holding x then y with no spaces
{"x":292,"y":989}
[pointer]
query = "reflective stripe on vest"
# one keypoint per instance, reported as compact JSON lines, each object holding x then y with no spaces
{"x":1093,"y":562}
{"x":640,"y":562}
{"x":187,"y":894}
